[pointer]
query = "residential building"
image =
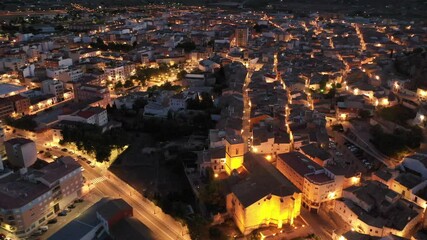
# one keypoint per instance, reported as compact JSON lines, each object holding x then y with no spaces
{"x":30,"y":198}
{"x":58,"y":62}
{"x":178,"y":102}
{"x":6,"y":108}
{"x":316,"y":154}
{"x":21,"y":152}
{"x":375,"y":210}
{"x":318,"y":185}
{"x":21,"y":104}
{"x":85,"y":92}
{"x":91,"y":115}
{"x":54,"y":87}
{"x":213,"y":158}
{"x":155,"y":109}
{"x":265,"y":140}
{"x":70,"y":75}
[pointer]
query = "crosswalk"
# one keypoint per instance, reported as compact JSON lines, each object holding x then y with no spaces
{"x":98,"y":180}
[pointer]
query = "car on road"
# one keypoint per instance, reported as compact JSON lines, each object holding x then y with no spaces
{"x":64,"y":150}
{"x":71,"y":206}
{"x":80,"y":200}
{"x":92,"y":165}
{"x":88,"y":161}
{"x":63,"y":213}
{"x":52,"y":221}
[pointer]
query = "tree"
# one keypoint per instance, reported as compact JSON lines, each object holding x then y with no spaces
{"x":181,"y":75}
{"x":139,"y":104}
{"x":119,"y":84}
{"x":128,"y":84}
{"x":26,"y":123}
{"x":91,"y":139}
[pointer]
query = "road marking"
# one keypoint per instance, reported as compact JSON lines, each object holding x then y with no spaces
{"x":98,"y":180}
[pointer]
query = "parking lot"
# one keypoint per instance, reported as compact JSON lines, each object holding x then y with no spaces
{"x":351,"y":154}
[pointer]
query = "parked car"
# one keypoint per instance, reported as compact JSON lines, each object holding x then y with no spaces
{"x":64,"y":150}
{"x":52,"y":221}
{"x":37,"y":232}
{"x":79,"y":200}
{"x":44,"y":228}
{"x":63,"y":213}
{"x":71,"y":206}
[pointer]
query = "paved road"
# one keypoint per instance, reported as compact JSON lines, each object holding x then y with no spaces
{"x":321,"y":227}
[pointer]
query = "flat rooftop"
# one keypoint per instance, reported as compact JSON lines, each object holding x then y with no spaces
{"x":299,"y":163}
{"x":7,"y":88}
{"x":17,"y":190}
{"x":320,"y":178}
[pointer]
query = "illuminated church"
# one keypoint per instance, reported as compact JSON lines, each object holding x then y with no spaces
{"x":263,"y":197}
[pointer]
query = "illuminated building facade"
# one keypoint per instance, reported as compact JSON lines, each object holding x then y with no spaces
{"x":264,"y":197}
{"x":317,"y":184}
{"x":234,"y":151}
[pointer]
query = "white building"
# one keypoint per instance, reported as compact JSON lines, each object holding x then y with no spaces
{"x":92,"y":115}
{"x":70,"y":75}
{"x":116,"y":73}
{"x":178,"y":102}
{"x":154,"y":109}
{"x":53,"y":87}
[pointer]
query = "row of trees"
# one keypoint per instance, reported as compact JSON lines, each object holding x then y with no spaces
{"x":100,"y":44}
{"x":26,"y":123}
{"x":91,"y":139}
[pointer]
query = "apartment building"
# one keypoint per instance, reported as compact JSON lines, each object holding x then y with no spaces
{"x":317,"y":184}
{"x":30,"y":197}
